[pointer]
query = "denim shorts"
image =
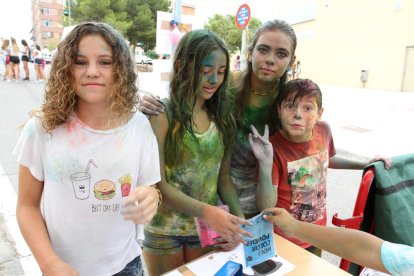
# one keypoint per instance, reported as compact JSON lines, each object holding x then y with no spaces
{"x":156,"y":244}
{"x":133,"y":268}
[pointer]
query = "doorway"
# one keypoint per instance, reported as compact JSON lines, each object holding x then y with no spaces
{"x":408,"y":77}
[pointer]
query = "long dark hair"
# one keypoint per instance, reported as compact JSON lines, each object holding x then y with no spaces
{"x":191,"y":51}
{"x":243,"y":85}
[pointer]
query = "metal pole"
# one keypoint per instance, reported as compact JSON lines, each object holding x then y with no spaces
{"x":70,"y":19}
{"x":243,"y":62}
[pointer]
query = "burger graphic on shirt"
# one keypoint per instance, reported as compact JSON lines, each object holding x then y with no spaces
{"x":104,"y":189}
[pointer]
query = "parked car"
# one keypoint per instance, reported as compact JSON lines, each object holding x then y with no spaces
{"x":47,"y":56}
{"x":142,"y":59}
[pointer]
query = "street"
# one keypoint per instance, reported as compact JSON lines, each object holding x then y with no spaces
{"x":355,"y":122}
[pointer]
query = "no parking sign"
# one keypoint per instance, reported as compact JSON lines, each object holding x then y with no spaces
{"x":243,"y":16}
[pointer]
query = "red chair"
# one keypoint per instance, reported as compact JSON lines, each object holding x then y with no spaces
{"x":360,"y":219}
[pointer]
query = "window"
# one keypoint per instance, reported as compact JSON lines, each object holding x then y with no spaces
{"x":47,"y":23}
{"x":47,"y":34}
{"x":46,"y":11}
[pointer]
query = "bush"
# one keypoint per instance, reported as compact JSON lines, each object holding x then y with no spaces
{"x":152,"y":54}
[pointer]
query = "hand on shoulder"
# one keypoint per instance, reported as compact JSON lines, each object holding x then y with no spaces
{"x":151,"y":105}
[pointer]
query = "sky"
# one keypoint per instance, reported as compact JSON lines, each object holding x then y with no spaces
{"x":18,"y":21}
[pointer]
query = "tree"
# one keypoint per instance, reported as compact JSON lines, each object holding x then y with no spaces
{"x":112,"y":12}
{"x":225,"y":27}
{"x":135,"y":19}
{"x":142,"y":15}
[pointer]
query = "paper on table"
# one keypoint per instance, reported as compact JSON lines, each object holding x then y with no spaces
{"x":210,"y":264}
{"x":273,"y":266}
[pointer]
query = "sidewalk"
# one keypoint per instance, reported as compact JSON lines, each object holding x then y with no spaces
{"x":364,"y":123}
{"x":369,"y":122}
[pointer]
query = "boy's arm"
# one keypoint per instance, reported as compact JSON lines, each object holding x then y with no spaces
{"x":266,"y":194}
{"x":356,"y":246}
{"x":222,"y":222}
{"x":32,"y":225}
{"x":344,"y":162}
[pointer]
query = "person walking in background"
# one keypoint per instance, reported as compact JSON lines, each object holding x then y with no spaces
{"x":25,"y":59}
{"x":298,"y":70}
{"x":90,"y":159}
{"x":237,"y":63}
{"x":356,"y":246}
{"x":6,"y":58}
{"x":14,"y":60}
{"x":255,"y":90}
{"x":38,"y":66}
{"x":292,"y":76}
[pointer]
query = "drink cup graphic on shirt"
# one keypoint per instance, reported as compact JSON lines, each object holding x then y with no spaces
{"x":81,"y":182}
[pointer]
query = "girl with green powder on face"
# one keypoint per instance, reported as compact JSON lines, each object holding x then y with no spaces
{"x":194,"y":137}
{"x":269,"y":56}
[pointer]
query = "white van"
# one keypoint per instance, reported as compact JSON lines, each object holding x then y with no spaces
{"x":143,"y":59}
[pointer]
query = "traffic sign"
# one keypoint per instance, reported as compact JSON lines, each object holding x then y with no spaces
{"x":243,"y":16}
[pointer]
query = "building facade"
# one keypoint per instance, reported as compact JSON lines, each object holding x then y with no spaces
{"x":354,"y":43}
{"x":46,"y":16}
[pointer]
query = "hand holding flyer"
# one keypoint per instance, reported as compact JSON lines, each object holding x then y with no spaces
{"x":261,"y":246}
{"x":206,"y":234}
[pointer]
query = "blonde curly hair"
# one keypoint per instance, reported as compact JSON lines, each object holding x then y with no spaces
{"x":60,"y":99}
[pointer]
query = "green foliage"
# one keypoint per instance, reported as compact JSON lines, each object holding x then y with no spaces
{"x":142,"y":15}
{"x":152,"y":54}
{"x":136,"y":19}
{"x":225,"y":27}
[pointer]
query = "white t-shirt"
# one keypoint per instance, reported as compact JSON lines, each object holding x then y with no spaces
{"x":38,"y":54}
{"x":398,"y":259}
{"x":86,"y":174}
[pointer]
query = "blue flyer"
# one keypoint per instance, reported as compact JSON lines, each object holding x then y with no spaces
{"x":261,"y":247}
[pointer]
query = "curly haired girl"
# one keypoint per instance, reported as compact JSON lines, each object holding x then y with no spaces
{"x":74,"y":154}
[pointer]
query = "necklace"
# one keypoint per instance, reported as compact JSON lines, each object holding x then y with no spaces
{"x":268,"y":92}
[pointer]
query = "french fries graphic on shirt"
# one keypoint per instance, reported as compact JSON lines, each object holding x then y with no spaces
{"x":126,"y":183}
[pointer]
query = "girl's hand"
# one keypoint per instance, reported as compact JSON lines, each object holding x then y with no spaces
{"x":386,"y":160}
{"x":226,"y":245}
{"x":141,"y":205}
{"x":59,"y":268}
{"x":150,"y":105}
{"x":226,"y":224}
{"x":262,"y":148}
